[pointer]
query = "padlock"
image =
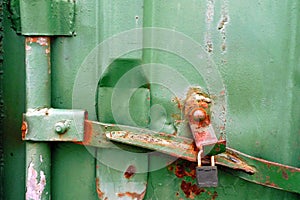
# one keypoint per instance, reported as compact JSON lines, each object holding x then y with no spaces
{"x":207,"y":176}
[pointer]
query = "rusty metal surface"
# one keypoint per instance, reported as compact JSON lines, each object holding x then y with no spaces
{"x":177,"y":146}
{"x":266,"y":173}
{"x":100,"y":134}
{"x":197,"y":112}
{"x":249,"y":168}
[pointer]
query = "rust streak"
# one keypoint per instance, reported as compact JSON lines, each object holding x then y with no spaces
{"x":88,"y":133}
{"x":191,"y":190}
{"x":130,"y":172}
{"x":98,"y":190}
{"x":24,"y":129}
{"x":183,"y":169}
{"x":215,"y":195}
{"x":285,"y":175}
{"x":178,"y":101}
{"x":133,"y":195}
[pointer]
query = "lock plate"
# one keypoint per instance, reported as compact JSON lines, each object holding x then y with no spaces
{"x":197,"y":111}
{"x":207,"y":176}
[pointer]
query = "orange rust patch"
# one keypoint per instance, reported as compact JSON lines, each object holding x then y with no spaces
{"x":24,"y":129}
{"x":133,"y":195}
{"x":182,"y":170}
{"x":88,"y":133}
{"x":177,"y":100}
{"x":190,"y":190}
{"x":170,"y":168}
{"x":43,"y":41}
{"x":215,"y":195}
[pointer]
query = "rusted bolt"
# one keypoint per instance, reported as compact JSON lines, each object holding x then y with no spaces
{"x":199,"y":115}
{"x":62,"y":126}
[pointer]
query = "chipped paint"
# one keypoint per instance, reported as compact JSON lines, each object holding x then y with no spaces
{"x":210,"y":12}
{"x":222,"y":25}
{"x":133,"y":195}
{"x":24,"y":129}
{"x":34,"y":185}
{"x":43,"y":41}
{"x":98,"y":190}
{"x":191,"y":190}
{"x":130,"y":171}
{"x":197,"y":111}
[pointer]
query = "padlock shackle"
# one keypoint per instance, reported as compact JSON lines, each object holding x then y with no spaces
{"x":199,"y":157}
{"x":212,"y":160}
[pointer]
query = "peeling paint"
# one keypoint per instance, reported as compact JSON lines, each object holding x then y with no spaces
{"x":222,"y":25}
{"x":133,"y":195}
{"x":34,"y":187}
{"x":98,"y":190}
{"x":24,"y":129}
{"x":27,"y":47}
{"x":197,"y":111}
{"x":191,"y":190}
{"x":130,"y":172}
{"x":210,"y":11}
{"x":43,"y":41}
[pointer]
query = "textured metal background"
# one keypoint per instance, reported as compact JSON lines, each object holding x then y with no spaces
{"x":256,"y":53}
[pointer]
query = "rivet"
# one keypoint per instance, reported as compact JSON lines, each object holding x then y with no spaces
{"x":199,"y":115}
{"x":62,"y":126}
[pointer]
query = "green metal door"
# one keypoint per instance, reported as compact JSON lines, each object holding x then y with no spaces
{"x":132,"y":63}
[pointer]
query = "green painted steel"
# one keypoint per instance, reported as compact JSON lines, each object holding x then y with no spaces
{"x":56,"y":17}
{"x":254,"y":46}
{"x":2,"y":115}
{"x":122,"y":172}
{"x":38,"y":95}
{"x":50,"y":124}
{"x":237,"y":64}
{"x":14,"y":105}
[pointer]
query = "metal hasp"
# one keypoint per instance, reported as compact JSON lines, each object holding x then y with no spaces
{"x":57,"y":125}
{"x":53,"y":17}
{"x":197,"y":111}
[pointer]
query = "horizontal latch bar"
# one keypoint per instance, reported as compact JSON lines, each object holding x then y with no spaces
{"x":177,"y":146}
{"x":99,"y":134}
{"x":70,"y":125}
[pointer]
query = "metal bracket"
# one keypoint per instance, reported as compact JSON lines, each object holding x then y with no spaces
{"x":48,"y":124}
{"x":197,"y":111}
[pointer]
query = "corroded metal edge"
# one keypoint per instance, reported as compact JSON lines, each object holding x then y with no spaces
{"x":266,"y":173}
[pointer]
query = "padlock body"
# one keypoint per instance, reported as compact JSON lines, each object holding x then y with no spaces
{"x":207,"y":176}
